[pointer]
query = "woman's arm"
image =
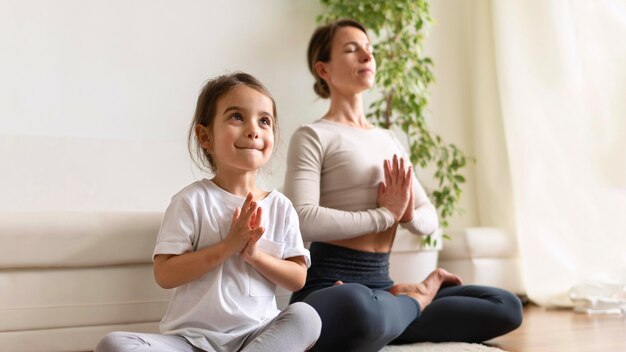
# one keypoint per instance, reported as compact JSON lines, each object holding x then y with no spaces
{"x":302,"y":186}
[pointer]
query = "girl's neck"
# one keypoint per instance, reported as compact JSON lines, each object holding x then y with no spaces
{"x":347,"y":110}
{"x":239,"y":185}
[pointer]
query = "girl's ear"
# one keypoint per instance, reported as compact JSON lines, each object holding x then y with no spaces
{"x":320,"y":68}
{"x":203,"y":135}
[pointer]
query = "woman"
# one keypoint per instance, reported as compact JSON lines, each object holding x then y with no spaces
{"x":352,"y":187}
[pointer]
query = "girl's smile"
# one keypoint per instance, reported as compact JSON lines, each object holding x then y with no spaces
{"x":243,"y":136}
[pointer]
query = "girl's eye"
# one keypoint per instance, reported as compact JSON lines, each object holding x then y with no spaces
{"x":266,"y":121}
{"x":237,"y":116}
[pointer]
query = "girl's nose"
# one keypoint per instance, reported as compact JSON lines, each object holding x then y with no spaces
{"x":253,"y":132}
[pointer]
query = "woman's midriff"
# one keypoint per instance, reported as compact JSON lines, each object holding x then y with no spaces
{"x":379,"y":242}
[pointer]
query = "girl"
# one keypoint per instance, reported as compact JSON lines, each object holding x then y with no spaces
{"x":225,"y":244}
{"x":351,"y":188}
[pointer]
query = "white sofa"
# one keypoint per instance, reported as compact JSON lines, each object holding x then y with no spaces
{"x":483,"y":256}
{"x":66,"y":279}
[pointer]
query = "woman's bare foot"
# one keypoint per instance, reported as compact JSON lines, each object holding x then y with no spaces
{"x":425,"y":291}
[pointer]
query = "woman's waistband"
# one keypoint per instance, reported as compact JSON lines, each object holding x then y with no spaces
{"x":349,"y":265}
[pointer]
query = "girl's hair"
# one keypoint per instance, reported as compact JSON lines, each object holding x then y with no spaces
{"x":319,"y":50}
{"x":206,"y":107}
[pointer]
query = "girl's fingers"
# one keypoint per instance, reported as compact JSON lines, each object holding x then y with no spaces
{"x":257,"y":217}
{"x":256,"y":234}
{"x":236,"y":214}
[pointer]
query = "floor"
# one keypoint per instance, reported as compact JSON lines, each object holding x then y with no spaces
{"x":563,"y":330}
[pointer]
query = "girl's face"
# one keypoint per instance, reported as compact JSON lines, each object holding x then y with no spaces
{"x":352,"y":67}
{"x":242,"y":138}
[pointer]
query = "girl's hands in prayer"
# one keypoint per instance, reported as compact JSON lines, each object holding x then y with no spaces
{"x":245,"y":226}
{"x":250,"y":251}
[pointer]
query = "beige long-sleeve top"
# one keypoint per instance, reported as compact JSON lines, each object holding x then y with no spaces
{"x":333,"y":172}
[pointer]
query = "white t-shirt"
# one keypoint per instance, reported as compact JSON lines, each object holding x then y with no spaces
{"x":218,"y":310}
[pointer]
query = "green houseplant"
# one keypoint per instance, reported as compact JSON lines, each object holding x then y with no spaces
{"x":403,"y":77}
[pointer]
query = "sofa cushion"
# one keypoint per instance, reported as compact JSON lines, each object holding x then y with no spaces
{"x":63,"y":297}
{"x":479,"y":242}
{"x":74,"y":239}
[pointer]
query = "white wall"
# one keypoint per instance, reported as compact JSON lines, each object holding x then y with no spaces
{"x":96,"y":96}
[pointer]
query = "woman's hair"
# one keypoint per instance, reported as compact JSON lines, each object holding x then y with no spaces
{"x":206,"y":107}
{"x":320,"y":47}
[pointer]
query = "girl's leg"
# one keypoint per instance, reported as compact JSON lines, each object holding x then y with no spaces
{"x":467,"y":314}
{"x":295,"y":329}
{"x":357,"y":318}
{"x":119,"y":341}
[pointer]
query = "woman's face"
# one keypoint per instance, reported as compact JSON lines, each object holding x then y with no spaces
{"x":352,"y":67}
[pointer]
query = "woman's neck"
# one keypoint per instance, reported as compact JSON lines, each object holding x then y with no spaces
{"x":347,"y":110}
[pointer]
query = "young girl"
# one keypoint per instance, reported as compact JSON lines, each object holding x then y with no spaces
{"x":225,"y":244}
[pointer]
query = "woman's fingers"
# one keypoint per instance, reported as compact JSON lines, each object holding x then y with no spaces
{"x":387,"y":171}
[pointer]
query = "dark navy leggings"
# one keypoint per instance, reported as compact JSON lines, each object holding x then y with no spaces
{"x":361,"y":315}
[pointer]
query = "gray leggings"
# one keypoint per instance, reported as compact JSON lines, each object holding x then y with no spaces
{"x":294,"y":329}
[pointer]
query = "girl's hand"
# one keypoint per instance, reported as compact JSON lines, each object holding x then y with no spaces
{"x":250,"y":251}
{"x":242,"y":230}
{"x":396,"y":191}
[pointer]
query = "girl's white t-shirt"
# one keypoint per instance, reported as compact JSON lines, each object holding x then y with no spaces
{"x":218,"y":310}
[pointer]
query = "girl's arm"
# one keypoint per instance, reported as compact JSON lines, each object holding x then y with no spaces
{"x":171,"y":270}
{"x":175,"y":270}
{"x":289,"y":273}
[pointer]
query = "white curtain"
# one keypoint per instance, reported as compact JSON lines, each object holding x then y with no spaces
{"x":560,"y":72}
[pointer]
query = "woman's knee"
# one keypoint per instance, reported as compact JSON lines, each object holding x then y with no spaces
{"x":352,"y":308}
{"x":511,"y":314}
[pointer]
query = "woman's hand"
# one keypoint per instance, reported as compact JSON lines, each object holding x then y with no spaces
{"x":245,"y":226}
{"x":396,"y":192}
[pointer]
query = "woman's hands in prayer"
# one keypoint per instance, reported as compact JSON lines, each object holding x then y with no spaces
{"x":396,"y":192}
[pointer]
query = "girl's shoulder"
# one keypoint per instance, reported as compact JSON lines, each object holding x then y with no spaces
{"x":200,"y":189}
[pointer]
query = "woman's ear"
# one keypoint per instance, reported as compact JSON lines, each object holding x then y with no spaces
{"x":320,"y":68}
{"x":203,"y":136}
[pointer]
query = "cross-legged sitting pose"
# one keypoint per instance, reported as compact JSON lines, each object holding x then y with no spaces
{"x":225,"y":244}
{"x":352,"y":187}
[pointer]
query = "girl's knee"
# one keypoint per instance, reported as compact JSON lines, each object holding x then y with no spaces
{"x":303,"y":314}
{"x":305,"y":321}
{"x":112,"y":342}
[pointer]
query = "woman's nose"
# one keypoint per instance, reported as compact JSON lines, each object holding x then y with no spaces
{"x":366,"y":56}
